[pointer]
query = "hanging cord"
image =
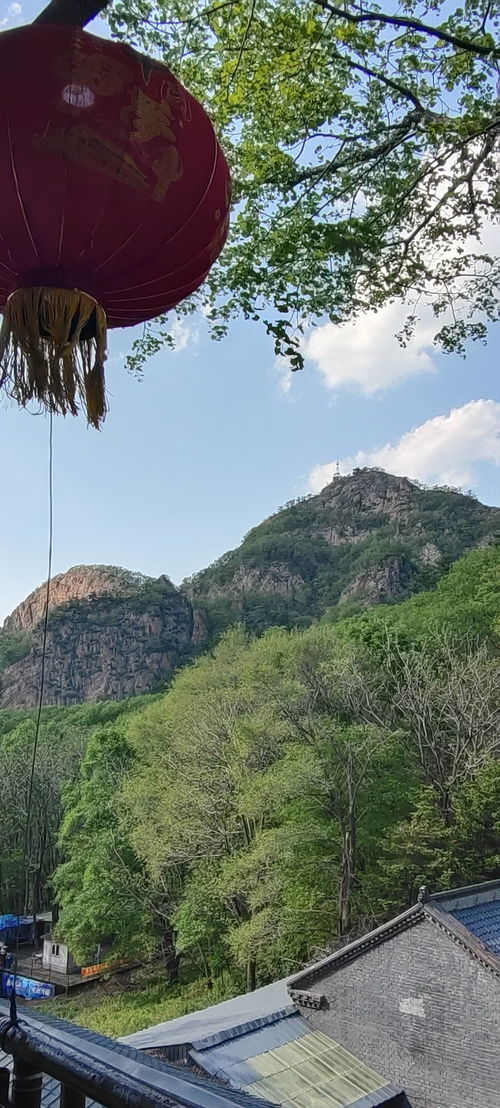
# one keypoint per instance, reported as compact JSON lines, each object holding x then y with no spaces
{"x":13,"y":1007}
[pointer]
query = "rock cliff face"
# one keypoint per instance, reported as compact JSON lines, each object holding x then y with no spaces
{"x":388,"y":582}
{"x":274,"y":579}
{"x":111,"y":634}
{"x":79,"y":583}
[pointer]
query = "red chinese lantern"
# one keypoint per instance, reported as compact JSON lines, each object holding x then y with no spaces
{"x":114,"y":204}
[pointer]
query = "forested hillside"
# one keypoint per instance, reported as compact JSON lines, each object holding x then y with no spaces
{"x":286,"y":792}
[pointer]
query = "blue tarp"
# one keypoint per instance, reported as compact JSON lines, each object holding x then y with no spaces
{"x":27,"y":987}
{"x":8,"y":921}
{"x":9,"y":925}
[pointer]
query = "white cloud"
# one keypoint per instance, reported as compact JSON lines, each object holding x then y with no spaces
{"x":184,"y":332}
{"x":12,"y":16}
{"x":366,"y":355}
{"x":443,"y":450}
{"x":321,"y":475}
{"x":285,"y":376}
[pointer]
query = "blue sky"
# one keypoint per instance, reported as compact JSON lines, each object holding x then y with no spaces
{"x":216,"y":436}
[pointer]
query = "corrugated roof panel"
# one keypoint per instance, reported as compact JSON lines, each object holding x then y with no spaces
{"x":322,"y":1038}
{"x":307,"y":1070}
{"x":292,"y":1054}
{"x":313,"y":1099}
{"x":267,"y":1063}
{"x":484,"y":922}
{"x":329,"y":1072}
{"x":238,"y":1074}
{"x":298,"y":1095}
{"x":289,"y":1084}
{"x":346,"y":1062}
{"x":267,"y":1089}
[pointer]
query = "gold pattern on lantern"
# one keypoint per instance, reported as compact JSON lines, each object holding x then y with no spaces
{"x":167,"y":168}
{"x":151,"y":119}
{"x":173,"y":94}
{"x":83,"y":145}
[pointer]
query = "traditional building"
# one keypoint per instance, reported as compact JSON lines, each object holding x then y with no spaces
{"x":419,"y":998}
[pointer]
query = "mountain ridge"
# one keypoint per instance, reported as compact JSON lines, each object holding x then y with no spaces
{"x":81,"y":582}
{"x":365,"y":539}
{"x":361,"y":529}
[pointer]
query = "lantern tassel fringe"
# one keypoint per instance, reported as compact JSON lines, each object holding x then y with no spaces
{"x":53,"y":349}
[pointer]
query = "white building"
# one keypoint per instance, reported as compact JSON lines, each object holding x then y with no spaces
{"x":57,"y":956}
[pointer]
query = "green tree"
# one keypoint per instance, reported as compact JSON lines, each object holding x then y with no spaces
{"x":328,"y":700}
{"x":421,"y":850}
{"x":362,"y":142}
{"x":477,"y":808}
{"x":290,"y":790}
{"x":28,"y":839}
{"x":466,"y":601}
{"x":99,"y":885}
{"x":445,"y":696}
{"x":181,"y":796}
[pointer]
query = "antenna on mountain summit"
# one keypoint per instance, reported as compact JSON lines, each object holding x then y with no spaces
{"x":336,"y":473}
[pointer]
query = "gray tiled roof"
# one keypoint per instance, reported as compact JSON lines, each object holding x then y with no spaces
{"x":484,"y":922}
{"x":177,"y":1084}
{"x":184,"y":1030}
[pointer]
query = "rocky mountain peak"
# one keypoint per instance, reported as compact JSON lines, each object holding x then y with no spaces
{"x":111,"y":634}
{"x":370,"y":537}
{"x":77,"y":583}
{"x":370,"y":490}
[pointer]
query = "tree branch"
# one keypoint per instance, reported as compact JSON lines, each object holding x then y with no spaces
{"x":403,"y":130}
{"x":71,"y":13}
{"x":243,"y":44}
{"x":463,"y":179}
{"x":394,"y":85}
{"x":411,"y":25}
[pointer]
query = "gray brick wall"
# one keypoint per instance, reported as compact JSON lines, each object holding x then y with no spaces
{"x":421,"y":1012}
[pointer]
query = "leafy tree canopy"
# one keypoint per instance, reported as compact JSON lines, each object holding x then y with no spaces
{"x":362,"y":140}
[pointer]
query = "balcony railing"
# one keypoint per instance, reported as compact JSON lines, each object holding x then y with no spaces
{"x":94,"y":1069}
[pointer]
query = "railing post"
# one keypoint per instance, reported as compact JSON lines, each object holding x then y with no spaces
{"x":26,"y":1085}
{"x":4,"y":1087}
{"x":71,"y":1098}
